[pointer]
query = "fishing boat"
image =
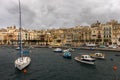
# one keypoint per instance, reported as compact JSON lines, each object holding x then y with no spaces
{"x":98,"y":55}
{"x":59,"y":50}
{"x":23,"y":60}
{"x":84,"y":58}
{"x":67,"y":54}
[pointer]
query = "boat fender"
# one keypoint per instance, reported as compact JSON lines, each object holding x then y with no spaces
{"x":114,"y":67}
{"x":24,"y":70}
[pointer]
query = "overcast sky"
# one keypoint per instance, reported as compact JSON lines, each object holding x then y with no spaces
{"x":46,"y":14}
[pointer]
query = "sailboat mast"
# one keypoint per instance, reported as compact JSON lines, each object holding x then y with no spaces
{"x":20,"y":29}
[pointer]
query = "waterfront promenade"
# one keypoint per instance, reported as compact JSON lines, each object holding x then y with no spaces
{"x":101,"y":49}
{"x":65,"y":47}
{"x":83,"y":48}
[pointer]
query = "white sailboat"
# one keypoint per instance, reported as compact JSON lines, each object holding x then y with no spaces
{"x":22,"y":61}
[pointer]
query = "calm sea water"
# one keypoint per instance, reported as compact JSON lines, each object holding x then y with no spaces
{"x":47,"y":65}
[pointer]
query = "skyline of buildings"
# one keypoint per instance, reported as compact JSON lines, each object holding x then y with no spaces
{"x":97,"y":33}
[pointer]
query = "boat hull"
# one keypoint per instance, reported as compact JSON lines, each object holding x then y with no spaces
{"x":57,"y":51}
{"x":22,"y":62}
{"x":68,"y":57}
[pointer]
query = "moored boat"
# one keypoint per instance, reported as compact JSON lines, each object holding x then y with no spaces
{"x":66,"y":50}
{"x":85,"y":59}
{"x":17,"y":48}
{"x":98,"y":55}
{"x":67,"y":54}
{"x":23,"y":60}
{"x":70,"y":49}
{"x":59,"y":50}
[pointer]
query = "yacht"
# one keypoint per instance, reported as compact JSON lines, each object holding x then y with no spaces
{"x":59,"y":50}
{"x":23,"y":60}
{"x":85,"y":59}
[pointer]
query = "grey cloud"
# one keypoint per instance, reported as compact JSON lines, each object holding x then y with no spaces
{"x":28,"y":16}
{"x":60,"y":13}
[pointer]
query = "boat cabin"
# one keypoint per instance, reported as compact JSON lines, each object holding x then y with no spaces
{"x":85,"y":56}
{"x":98,"y":54}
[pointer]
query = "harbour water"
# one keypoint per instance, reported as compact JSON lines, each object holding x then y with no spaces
{"x":47,"y":65}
